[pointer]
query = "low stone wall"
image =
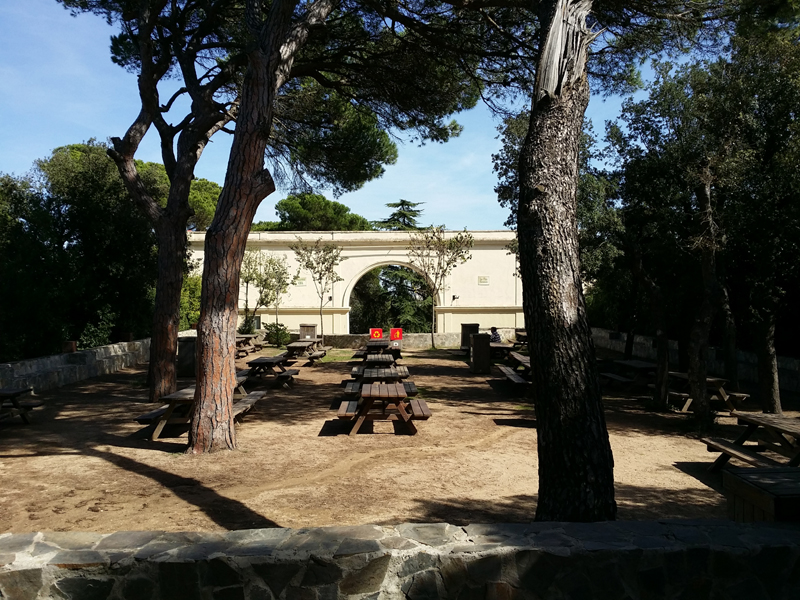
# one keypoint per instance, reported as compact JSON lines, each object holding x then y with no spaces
{"x":645,"y":347}
{"x":50,"y":372}
{"x":670,"y":559}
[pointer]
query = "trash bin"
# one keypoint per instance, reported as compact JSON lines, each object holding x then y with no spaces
{"x":308,"y":331}
{"x":480,"y":359}
{"x":187,"y":357}
{"x":467,"y":329}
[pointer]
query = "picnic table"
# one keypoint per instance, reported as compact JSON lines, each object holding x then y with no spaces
{"x":178,"y":411}
{"x":267,"y":364}
{"x":520,"y":360}
{"x":380,"y":344}
{"x":379,"y":360}
{"x":394,"y":406}
{"x":244,"y":343}
{"x":501,"y":349}
{"x":715,"y":385}
{"x":11,"y":406}
{"x":775,"y":432}
{"x":387,"y":375}
{"x":301,"y":347}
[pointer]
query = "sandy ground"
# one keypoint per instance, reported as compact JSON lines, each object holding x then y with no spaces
{"x":81,"y":466}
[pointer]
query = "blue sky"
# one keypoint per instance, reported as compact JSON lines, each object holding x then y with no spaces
{"x":60,"y":87}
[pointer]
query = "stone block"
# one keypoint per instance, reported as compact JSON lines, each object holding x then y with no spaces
{"x":24,"y":583}
{"x":78,"y":559}
{"x":277,"y":575}
{"x":138,"y":588}
{"x":368,"y":579}
{"x":229,"y":593}
{"x":178,"y":581}
{"x":430,"y":534}
{"x":320,"y":572}
{"x":82,"y":588}
{"x":17,"y":542}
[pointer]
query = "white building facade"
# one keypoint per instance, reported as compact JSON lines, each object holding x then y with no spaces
{"x":483,"y":290}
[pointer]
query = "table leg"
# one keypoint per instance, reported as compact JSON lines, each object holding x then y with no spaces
{"x":362,"y":415}
{"x":163,"y":421}
{"x":723,"y":458}
{"x":23,"y":412}
{"x":401,"y":408}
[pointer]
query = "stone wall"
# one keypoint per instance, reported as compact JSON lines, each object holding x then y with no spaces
{"x":621,"y":560}
{"x":48,"y":372}
{"x":645,"y":347}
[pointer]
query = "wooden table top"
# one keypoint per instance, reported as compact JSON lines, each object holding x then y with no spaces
{"x":382,"y":373}
{"x":639,"y":365}
{"x":788,"y":425}
{"x":379,"y":358}
{"x":302,"y":343}
{"x":246,"y":336}
{"x":718,"y":381}
{"x":383,"y":390}
{"x":14,"y":392}
{"x":266,"y":360}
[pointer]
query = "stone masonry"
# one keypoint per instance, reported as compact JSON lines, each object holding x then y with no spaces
{"x":615,"y":560}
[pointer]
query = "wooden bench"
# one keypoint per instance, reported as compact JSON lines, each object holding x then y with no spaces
{"x":11,"y":406}
{"x":316,"y":356}
{"x":360,"y":354}
{"x":243,"y":406}
{"x":327,"y":348}
{"x":419,"y":409}
{"x":356,"y":372}
{"x":352,"y":388}
{"x":347,"y":409}
{"x":286,"y":378}
{"x":512,"y":376}
{"x":613,"y":377}
{"x":743,"y":453}
{"x":411,"y":388}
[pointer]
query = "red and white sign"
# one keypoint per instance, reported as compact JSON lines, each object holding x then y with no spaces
{"x":395,"y":333}
{"x":375,"y":333}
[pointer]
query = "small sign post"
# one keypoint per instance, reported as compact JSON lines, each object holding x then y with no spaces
{"x":395,"y":333}
{"x":375,"y":333}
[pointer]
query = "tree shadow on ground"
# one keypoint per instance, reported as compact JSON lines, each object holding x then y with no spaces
{"x":463,"y":511}
{"x":225,"y":512}
{"x":645,"y":503}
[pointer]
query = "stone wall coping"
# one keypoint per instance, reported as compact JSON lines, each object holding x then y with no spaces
{"x":87,"y":549}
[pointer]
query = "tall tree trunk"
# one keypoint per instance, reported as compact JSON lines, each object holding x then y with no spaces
{"x":247,"y":183}
{"x":657,"y":313}
{"x":171,"y":238}
{"x":768,"y":385}
{"x":701,"y":329}
{"x":433,"y":321}
{"x":576,"y":481}
{"x":321,"y":322}
{"x":729,"y":352}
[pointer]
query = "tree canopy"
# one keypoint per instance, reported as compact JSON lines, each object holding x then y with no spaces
{"x":312,"y":212}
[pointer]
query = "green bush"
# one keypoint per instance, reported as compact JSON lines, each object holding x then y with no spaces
{"x":248,"y":325}
{"x":93,"y":335}
{"x":277,"y":334}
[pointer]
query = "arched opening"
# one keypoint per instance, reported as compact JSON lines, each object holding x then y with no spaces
{"x":390,"y":295}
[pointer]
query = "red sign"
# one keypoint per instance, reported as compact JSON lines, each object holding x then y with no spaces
{"x":375,"y":333}
{"x":395,"y":333}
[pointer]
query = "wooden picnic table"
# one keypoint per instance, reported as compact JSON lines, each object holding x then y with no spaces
{"x":501,"y":348}
{"x":716,"y":385}
{"x":378,"y":344}
{"x":182,"y":401}
{"x":300,"y":347}
{"x":385,"y":360}
{"x":520,"y":360}
{"x":10,"y":405}
{"x":775,"y":432}
{"x":387,"y":375}
{"x":393,"y":406}
{"x":266,"y":365}
{"x":244,"y":343}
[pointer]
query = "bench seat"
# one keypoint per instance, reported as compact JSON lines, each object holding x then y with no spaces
{"x":287,"y":377}
{"x":411,"y":388}
{"x":347,"y":409}
{"x":512,"y":375}
{"x":356,"y":372}
{"x":743,"y":453}
{"x":360,"y":354}
{"x":352,"y":388}
{"x":316,"y":356}
{"x":419,"y":409}
{"x":243,"y":406}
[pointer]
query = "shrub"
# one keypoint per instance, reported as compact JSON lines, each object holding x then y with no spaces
{"x":277,"y":334}
{"x":100,"y":334}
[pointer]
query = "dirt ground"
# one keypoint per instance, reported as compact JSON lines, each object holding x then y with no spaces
{"x":81,"y":466}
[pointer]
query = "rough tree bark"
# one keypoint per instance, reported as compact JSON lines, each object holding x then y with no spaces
{"x":657,"y":313}
{"x":247,"y":183}
{"x":729,"y":339}
{"x":576,"y":481}
{"x":768,"y":385}
{"x":709,"y":291}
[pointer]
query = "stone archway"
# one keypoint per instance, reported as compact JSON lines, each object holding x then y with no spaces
{"x":484,"y":290}
{"x":386,"y":263}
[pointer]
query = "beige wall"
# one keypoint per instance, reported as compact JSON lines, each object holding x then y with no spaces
{"x":488,"y":291}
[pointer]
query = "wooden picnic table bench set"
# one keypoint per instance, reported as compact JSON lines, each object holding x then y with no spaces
{"x":12,"y":406}
{"x":517,"y":372}
{"x":379,"y":392}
